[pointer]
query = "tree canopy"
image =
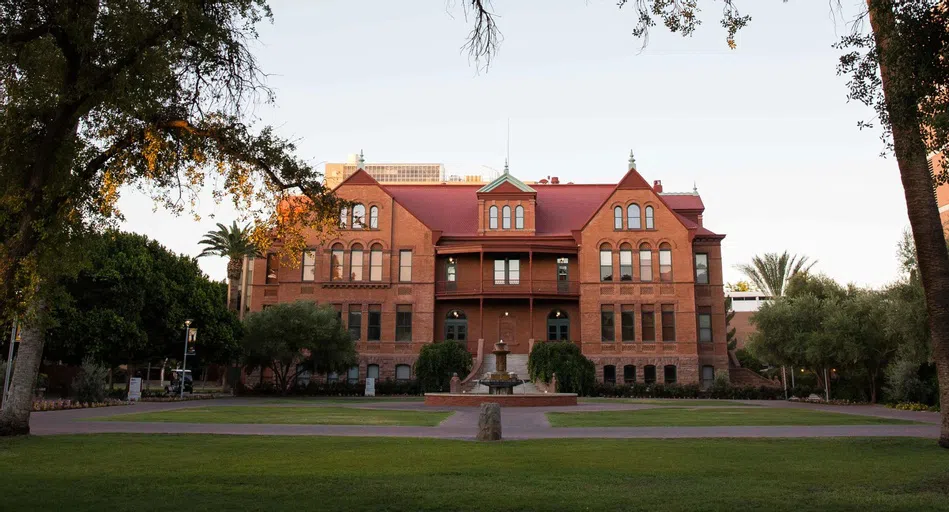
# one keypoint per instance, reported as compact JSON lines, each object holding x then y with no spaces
{"x":438,"y":361}
{"x":771,"y":271}
{"x":293,"y":337}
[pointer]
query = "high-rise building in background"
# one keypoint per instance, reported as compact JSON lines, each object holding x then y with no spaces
{"x":336,"y":173}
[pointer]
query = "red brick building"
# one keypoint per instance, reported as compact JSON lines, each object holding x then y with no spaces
{"x":627,"y":272}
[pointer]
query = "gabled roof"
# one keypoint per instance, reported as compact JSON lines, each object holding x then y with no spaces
{"x":498,"y":185}
{"x":686,"y":201}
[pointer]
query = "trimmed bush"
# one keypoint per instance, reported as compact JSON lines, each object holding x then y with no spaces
{"x":437,"y":362}
{"x":575,"y":373}
{"x":89,"y":384}
{"x":639,"y":390}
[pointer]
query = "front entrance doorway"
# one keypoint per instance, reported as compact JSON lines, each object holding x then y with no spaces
{"x":558,"y":326}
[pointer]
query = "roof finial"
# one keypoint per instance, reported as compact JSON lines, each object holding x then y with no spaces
{"x":632,"y":160}
{"x":695,"y":188}
{"x":506,"y":171}
{"x":361,"y":163}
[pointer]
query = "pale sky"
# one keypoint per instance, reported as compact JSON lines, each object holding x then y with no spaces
{"x":764,"y":131}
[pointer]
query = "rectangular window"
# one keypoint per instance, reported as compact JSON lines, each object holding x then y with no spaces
{"x":405,"y":266}
{"x":665,"y":265}
{"x":309,"y":265}
{"x":336,"y":262}
{"x":705,"y":325}
{"x":273,"y":264}
{"x":629,"y":374}
{"x":649,"y":323}
{"x":375,"y":265}
{"x":645,"y":265}
{"x":355,"y":265}
{"x":708,"y":376}
{"x":374,"y":329}
{"x":627,"y":323}
{"x":607,"y":327}
{"x":355,"y":321}
{"x":403,"y":322}
{"x":507,"y":271}
{"x":668,"y":322}
{"x":606,"y":265}
{"x":625,"y":265}
{"x":701,"y":268}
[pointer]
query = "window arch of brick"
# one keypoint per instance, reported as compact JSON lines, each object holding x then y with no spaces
{"x":456,"y":325}
{"x":506,"y":217}
{"x":618,"y":217}
{"x":373,"y":217}
{"x":625,"y":262}
{"x":665,"y":262}
{"x":650,"y":218}
{"x":359,"y":216}
{"x":633,"y":219}
{"x":344,"y":217}
{"x":375,"y":262}
{"x":519,"y":217}
{"x":493,"y":217}
{"x":337,"y":253}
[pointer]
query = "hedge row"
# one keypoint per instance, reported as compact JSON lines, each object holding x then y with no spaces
{"x":383,"y":388}
{"x":640,"y":390}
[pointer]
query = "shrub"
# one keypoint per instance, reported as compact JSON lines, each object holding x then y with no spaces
{"x":718,"y":391}
{"x":914,"y":406}
{"x":907,"y":381}
{"x":437,"y":362}
{"x":747,"y":360}
{"x":575,"y":373}
{"x":89,"y":384}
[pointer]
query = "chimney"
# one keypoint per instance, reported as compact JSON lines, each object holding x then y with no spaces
{"x":657,"y":186}
{"x":554,"y":180}
{"x":543,"y":181}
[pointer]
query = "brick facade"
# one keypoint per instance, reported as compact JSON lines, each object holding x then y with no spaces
{"x":523,"y":282}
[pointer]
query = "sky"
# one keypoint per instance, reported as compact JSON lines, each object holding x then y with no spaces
{"x":765,"y":131}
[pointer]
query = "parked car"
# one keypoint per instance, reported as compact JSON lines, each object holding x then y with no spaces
{"x":174,"y":387}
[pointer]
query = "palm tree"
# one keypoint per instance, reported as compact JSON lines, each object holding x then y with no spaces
{"x":771,"y":271}
{"x":234,"y":243}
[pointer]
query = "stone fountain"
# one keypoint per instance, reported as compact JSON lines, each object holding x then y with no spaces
{"x":500,"y":381}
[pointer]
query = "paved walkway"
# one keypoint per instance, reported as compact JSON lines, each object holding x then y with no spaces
{"x":517,"y":423}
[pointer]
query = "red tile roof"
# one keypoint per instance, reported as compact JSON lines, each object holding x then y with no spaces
{"x":453,"y":209}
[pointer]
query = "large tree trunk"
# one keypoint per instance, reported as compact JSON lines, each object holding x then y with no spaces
{"x":923,"y":213}
{"x":15,"y":415}
{"x":234,"y":270}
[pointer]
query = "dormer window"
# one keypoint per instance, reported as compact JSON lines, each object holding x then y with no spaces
{"x":359,"y":216}
{"x":506,"y":217}
{"x":519,"y":217}
{"x":649,"y":218}
{"x":493,"y":217}
{"x":633,"y":220}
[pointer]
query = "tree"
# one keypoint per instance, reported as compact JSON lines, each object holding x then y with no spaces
{"x":233,"y":243}
{"x":129,"y":302}
{"x":770,"y":272}
{"x":100,"y":96}
{"x":740,"y":286}
{"x":438,"y":361}
{"x":575,"y":373}
{"x":900,"y":68}
{"x":290,"y":338}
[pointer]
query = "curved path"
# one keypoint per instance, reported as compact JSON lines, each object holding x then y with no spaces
{"x":517,"y":423}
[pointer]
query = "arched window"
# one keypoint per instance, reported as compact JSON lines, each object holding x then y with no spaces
{"x":352,"y":376}
{"x":506,"y":217}
{"x":374,"y":217}
{"x":649,"y":374}
{"x":456,"y":326}
{"x":558,"y":326}
{"x":625,"y":262}
{"x":632,"y":217}
{"x":372,"y":371}
{"x":359,"y":216}
{"x":336,"y":263}
{"x":606,"y":262}
{"x":665,"y":263}
{"x":669,"y":372}
{"x":355,"y":263}
{"x":375,"y":262}
{"x":649,"y":218}
{"x":519,"y":217}
{"x":344,"y":217}
{"x":629,"y":374}
{"x":403,"y":372}
{"x":609,"y":374}
{"x":493,"y":217}
{"x":618,"y":217}
{"x":645,"y":263}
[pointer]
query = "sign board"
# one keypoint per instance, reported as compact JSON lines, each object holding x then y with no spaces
{"x":370,"y":386}
{"x":192,"y":338}
{"x":135,"y":388}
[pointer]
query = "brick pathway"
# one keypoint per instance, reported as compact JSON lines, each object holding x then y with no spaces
{"x":517,"y":423}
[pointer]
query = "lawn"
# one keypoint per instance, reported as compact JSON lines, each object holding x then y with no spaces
{"x":203,"y":473}
{"x":341,"y":400}
{"x":670,"y":402}
{"x":287,"y":416}
{"x":710,"y":417}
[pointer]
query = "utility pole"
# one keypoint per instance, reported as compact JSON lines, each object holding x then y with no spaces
{"x":184,"y":361}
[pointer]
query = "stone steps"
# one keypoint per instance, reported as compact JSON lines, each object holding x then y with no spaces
{"x":516,"y":363}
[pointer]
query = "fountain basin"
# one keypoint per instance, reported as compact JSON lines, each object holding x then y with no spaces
{"x":525,"y":400}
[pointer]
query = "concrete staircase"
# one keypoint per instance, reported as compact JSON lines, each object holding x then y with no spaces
{"x":516,"y":363}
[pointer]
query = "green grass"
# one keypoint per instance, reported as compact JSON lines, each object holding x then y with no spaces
{"x":710,"y":417}
{"x":208,"y":473}
{"x":341,"y":400}
{"x":671,"y":402}
{"x":287,"y":416}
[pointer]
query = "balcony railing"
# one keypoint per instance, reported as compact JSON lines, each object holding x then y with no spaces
{"x":512,"y":287}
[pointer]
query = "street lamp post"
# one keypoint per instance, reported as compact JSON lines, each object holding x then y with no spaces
{"x":184,"y":361}
{"x":6,"y":377}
